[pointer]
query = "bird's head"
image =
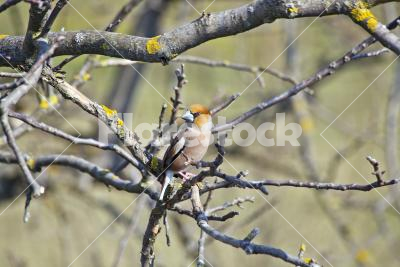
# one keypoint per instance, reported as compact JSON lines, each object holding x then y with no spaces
{"x":197,"y":114}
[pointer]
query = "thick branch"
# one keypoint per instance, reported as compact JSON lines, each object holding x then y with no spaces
{"x":111,"y":27}
{"x":170,"y":44}
{"x":149,"y":238}
{"x":103,"y":113}
{"x":361,"y":15}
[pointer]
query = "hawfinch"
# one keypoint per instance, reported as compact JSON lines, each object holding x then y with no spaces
{"x":189,"y":145}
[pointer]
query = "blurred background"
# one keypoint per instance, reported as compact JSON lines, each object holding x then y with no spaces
{"x":345,"y":228}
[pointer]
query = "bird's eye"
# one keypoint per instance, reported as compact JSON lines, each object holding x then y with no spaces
{"x":196,"y":114}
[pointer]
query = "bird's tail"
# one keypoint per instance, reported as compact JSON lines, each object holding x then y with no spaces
{"x":169,"y":176}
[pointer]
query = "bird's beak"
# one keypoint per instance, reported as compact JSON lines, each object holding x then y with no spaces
{"x":188,"y":117}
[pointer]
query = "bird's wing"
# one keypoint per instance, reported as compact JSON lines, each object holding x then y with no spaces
{"x":175,"y":149}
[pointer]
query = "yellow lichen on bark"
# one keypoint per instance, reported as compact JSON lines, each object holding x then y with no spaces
{"x":31,"y":163}
{"x":154,"y":163}
{"x":53,"y":99}
{"x":44,"y":104}
{"x":153,"y":46}
{"x":293,"y":10}
{"x":361,"y":13}
{"x":307,"y":124}
{"x":109,"y":112}
{"x":372,"y":23}
{"x":86,"y":77}
{"x":362,"y":256}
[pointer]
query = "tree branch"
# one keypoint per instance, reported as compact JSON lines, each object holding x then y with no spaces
{"x":112,"y":26}
{"x":318,"y":76}
{"x":102,"y":175}
{"x":37,"y":17}
{"x":103,"y":113}
{"x":76,"y":140}
{"x":8,"y":3}
{"x":360,"y":13}
{"x":180,"y":76}
{"x":30,"y":80}
{"x":245,"y":244}
{"x":37,"y":190}
{"x":305,"y":184}
{"x":165,"y":47}
{"x":53,"y":15}
{"x":150,"y":235}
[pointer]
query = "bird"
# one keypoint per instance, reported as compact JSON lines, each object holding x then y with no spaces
{"x":188,"y":146}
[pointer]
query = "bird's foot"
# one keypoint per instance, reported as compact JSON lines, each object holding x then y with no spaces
{"x":186,"y":175}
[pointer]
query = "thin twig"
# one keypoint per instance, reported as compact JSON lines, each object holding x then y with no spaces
{"x":12,"y":74}
{"x":37,"y":189}
{"x":377,"y":172}
{"x":100,"y":174}
{"x":155,"y":145}
{"x":304,"y":184}
{"x":215,"y":110}
{"x":76,"y":140}
{"x":236,"y":202}
{"x":167,"y":229}
{"x":8,"y":3}
{"x":318,"y":76}
{"x":234,"y":66}
{"x":122,"y":14}
{"x":53,"y":15}
{"x":180,"y":75}
{"x":28,"y":199}
{"x":245,"y":244}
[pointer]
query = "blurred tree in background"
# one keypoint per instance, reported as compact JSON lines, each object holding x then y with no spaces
{"x":70,"y":69}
